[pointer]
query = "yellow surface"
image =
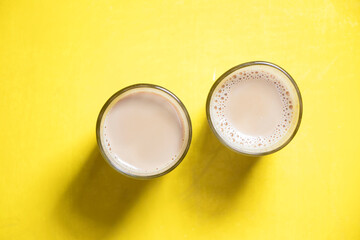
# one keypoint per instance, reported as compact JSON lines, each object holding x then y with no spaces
{"x":61,"y":60}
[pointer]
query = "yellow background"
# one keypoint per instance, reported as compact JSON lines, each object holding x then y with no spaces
{"x":61,"y":60}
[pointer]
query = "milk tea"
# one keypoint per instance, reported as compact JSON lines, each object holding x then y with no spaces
{"x":255,"y":109}
{"x":144,"y":132}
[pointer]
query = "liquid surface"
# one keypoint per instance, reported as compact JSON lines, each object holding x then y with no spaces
{"x":254,"y":108}
{"x":143,"y":132}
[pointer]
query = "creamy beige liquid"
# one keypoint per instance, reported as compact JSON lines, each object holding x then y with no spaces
{"x":255,"y":109}
{"x":144,"y":132}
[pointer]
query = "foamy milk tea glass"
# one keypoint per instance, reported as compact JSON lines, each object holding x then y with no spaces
{"x":254,"y":108}
{"x":143,"y":131}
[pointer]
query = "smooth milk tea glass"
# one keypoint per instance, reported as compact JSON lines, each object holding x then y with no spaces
{"x":143,"y":131}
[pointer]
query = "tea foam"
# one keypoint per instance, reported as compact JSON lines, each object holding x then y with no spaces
{"x":254,"y":109}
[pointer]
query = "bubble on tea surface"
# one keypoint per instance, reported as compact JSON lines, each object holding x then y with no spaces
{"x":219,"y":102}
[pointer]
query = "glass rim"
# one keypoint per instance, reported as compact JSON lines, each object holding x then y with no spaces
{"x":233,"y":69}
{"x":124,"y":90}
